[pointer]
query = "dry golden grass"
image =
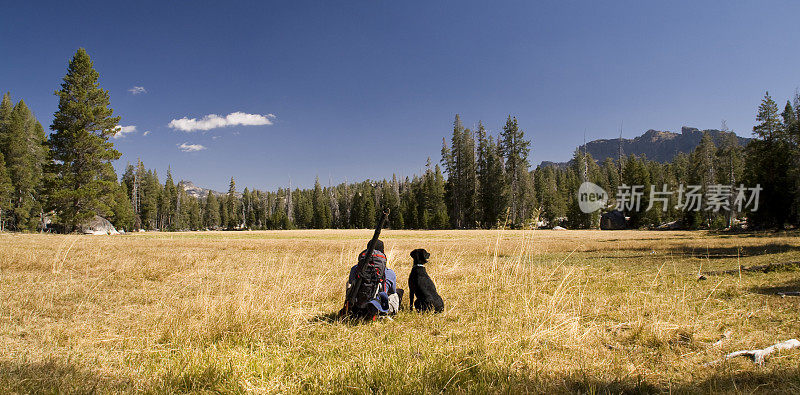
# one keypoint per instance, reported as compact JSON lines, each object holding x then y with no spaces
{"x":526,"y":311}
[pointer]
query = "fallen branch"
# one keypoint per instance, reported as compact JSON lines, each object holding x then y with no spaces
{"x":758,"y":268}
{"x":758,"y":356}
{"x":785,"y":294}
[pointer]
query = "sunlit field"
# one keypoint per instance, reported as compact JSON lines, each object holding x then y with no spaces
{"x":526,"y":311}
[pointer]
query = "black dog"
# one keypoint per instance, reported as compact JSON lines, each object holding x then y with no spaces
{"x":421,"y":285}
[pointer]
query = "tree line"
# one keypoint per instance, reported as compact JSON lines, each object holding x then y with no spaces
{"x":58,"y":181}
{"x":485,"y":181}
{"x":770,"y":160}
{"x":415,"y":203}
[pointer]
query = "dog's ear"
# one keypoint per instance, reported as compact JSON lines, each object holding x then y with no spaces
{"x":415,"y":255}
{"x":426,"y":254}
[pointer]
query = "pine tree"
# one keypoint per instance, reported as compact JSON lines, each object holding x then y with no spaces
{"x":224,"y":215}
{"x":6,"y":187}
{"x":703,"y":159}
{"x":180,"y":206}
{"x":133,"y":185}
{"x":793,"y":136}
{"x":409,"y":204}
{"x":356,"y":210}
{"x":730,"y":167}
{"x":553,"y":206}
{"x":462,"y":183}
{"x":467,"y":169}
{"x":450,"y":160}
{"x":289,"y":206}
{"x":85,"y":179}
{"x":515,"y":149}
{"x":281,"y":217}
{"x":481,"y":153}
{"x":265,"y":210}
{"x":370,"y":210}
{"x":788,"y":115}
{"x":771,"y":162}
{"x":249,"y":208}
{"x":611,"y":179}
{"x":129,"y":178}
{"x":435,"y":194}
{"x":122,"y":211}
{"x":363,"y":212}
{"x":431,"y":199}
{"x":231,"y":207}
{"x":303,"y":210}
{"x":23,"y":143}
{"x":345,"y":203}
{"x":794,"y":132}
{"x":245,"y":207}
{"x":150,"y":193}
{"x":6,"y":108}
{"x":768,"y":163}
{"x":704,"y":173}
{"x":391,"y":200}
{"x":169,"y":203}
{"x":583,"y":168}
{"x":333,"y":202}
{"x":658,"y":178}
{"x":194,"y":212}
{"x":5,"y":192}
{"x":769,"y":124}
{"x":635,"y":172}
{"x":211,"y":218}
{"x":492,"y":192}
{"x":322,"y":208}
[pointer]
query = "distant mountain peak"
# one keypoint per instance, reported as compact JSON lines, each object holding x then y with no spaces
{"x":657,"y":145}
{"x":195,"y":191}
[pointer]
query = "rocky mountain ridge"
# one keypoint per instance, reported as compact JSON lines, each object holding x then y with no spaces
{"x":195,"y":191}
{"x":661,"y":146}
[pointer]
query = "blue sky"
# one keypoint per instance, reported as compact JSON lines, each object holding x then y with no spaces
{"x":364,"y":89}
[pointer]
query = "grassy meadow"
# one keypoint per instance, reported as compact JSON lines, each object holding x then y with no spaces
{"x":526,"y":311}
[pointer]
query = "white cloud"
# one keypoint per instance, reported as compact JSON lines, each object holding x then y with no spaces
{"x":146,"y":132}
{"x":124,"y":130}
{"x":137,"y":90}
{"x":186,"y":147}
{"x":213,"y":121}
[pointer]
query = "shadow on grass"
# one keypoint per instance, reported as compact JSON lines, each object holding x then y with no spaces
{"x":496,"y":379}
{"x":733,"y":252}
{"x":789,"y":286}
{"x":56,"y":377}
{"x":330,"y":318}
{"x":53,"y":377}
{"x":706,"y":253}
{"x":736,"y":234}
{"x":337,"y":317}
{"x":785,"y":381}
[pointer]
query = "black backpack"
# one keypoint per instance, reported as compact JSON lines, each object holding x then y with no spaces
{"x":372,"y":274}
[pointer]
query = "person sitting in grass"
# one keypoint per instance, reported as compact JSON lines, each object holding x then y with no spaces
{"x":377,"y":295}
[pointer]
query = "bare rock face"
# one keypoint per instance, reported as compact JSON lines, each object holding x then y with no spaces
{"x":98,"y":226}
{"x":661,"y":146}
{"x":657,"y":145}
{"x":195,"y":191}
